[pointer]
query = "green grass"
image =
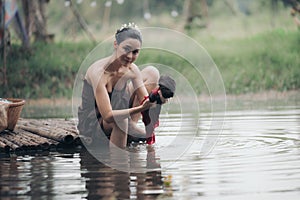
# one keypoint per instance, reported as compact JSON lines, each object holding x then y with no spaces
{"x":264,"y":61}
{"x":45,"y":70}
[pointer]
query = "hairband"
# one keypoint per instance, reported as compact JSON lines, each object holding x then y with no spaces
{"x":128,"y":26}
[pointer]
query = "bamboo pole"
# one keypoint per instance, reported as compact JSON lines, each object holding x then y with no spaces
{"x":4,"y":147}
{"x":21,"y":142}
{"x":64,"y":126}
{"x":12,"y":145}
{"x":67,"y":125}
{"x":45,"y":142}
{"x":44,"y":132}
{"x":34,"y":135}
{"x":42,"y":141}
{"x":71,"y":129}
{"x":56,"y":125}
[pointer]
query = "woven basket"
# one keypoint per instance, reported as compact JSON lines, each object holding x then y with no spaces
{"x":14,"y":112}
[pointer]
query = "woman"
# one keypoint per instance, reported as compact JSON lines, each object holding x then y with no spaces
{"x":114,"y":88}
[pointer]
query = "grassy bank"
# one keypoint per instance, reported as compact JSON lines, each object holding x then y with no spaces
{"x":44,"y":70}
{"x":266,"y":61}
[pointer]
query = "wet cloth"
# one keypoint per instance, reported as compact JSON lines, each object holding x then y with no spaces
{"x":150,"y":117}
{"x":89,"y":115}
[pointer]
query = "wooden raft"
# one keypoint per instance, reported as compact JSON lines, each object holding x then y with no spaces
{"x":31,"y":135}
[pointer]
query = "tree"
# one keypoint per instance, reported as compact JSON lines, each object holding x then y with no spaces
{"x":36,"y":20}
{"x":195,"y":9}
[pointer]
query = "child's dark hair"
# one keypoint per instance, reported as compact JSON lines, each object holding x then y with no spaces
{"x":128,"y":32}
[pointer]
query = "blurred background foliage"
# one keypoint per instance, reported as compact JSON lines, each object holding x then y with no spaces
{"x":255,"y":44}
{"x":201,"y":16}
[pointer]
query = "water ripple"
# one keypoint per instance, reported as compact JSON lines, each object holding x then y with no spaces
{"x":256,"y":156}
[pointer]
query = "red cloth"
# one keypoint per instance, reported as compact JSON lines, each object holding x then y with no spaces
{"x":150,"y":118}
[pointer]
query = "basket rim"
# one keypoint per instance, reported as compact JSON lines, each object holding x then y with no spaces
{"x":16,"y":102}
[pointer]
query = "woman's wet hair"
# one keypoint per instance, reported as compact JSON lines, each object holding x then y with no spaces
{"x":128,"y":32}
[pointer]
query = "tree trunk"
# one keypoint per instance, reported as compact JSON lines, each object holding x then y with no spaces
{"x":82,"y":22}
{"x":36,"y":20}
{"x":195,"y":9}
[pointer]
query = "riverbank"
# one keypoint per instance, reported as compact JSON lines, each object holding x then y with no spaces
{"x":62,"y":107}
{"x":271,"y":99}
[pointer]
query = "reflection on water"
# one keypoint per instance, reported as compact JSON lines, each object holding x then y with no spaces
{"x":105,"y":182}
{"x":257,"y":156}
{"x":76,"y":176}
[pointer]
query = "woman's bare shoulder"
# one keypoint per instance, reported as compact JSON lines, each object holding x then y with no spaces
{"x":96,"y":69}
{"x":95,"y":72}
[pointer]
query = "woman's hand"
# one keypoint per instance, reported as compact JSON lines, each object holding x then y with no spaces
{"x":147,"y":104}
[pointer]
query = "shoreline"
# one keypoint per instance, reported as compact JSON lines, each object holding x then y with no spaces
{"x":258,"y":96}
{"x":285,"y":97}
{"x":266,"y":95}
{"x":271,"y":99}
{"x":266,"y":100}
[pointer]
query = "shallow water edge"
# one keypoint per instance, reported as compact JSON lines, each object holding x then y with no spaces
{"x":62,"y":107}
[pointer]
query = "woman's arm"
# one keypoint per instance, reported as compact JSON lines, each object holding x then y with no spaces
{"x":104,"y":106}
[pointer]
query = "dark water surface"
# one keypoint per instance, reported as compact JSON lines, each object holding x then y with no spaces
{"x":256,"y":156}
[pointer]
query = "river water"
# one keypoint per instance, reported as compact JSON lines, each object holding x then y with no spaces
{"x":255,"y":156}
